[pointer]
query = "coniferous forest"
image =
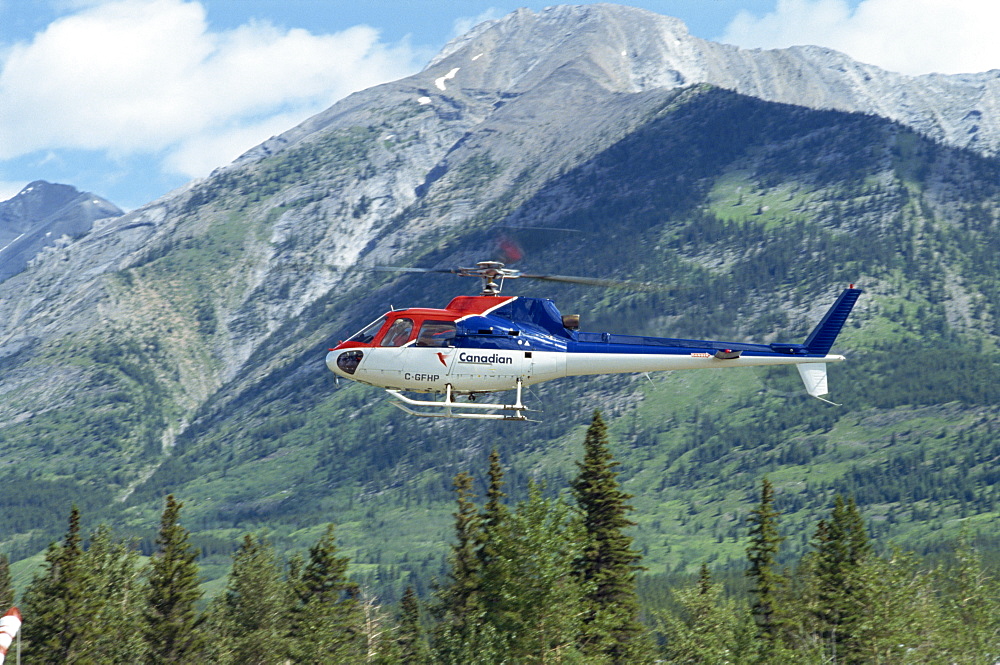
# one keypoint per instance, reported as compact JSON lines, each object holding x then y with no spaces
{"x":553,"y":578}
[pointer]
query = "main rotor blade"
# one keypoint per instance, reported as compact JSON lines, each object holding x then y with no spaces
{"x":588,"y":281}
{"x":607,"y":283}
{"x":402,"y":269}
{"x":540,"y":228}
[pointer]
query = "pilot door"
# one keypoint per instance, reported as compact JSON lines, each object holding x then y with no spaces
{"x":413,"y":356}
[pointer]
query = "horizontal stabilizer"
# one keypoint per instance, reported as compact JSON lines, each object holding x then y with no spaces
{"x":821,"y":339}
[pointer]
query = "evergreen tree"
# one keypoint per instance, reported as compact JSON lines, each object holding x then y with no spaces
{"x":113,"y":596}
{"x":6,"y":584}
{"x":54,"y":601}
{"x":971,"y":608}
{"x":462,"y":636}
{"x":494,"y":562}
{"x":410,"y":638}
{"x":459,"y":601}
{"x":327,"y":619}
{"x":524,"y":607}
{"x":541,"y":598}
{"x":762,"y":554}
{"x":842,"y":546}
{"x":173,"y":632}
{"x":248,"y":617}
{"x":85,"y":607}
{"x":608,"y":565}
{"x":477,"y":645}
{"x":897,"y":615}
{"x":296,"y":566}
{"x":495,"y":512}
{"x":704,"y":580}
{"x":798,"y":599}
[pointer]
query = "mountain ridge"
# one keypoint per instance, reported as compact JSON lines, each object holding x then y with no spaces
{"x":42,"y":215}
{"x":658,"y":52}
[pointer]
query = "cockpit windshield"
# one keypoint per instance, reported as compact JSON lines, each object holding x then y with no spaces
{"x":368,"y":333}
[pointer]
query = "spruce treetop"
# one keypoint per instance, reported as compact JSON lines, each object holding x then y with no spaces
{"x":608,"y":565}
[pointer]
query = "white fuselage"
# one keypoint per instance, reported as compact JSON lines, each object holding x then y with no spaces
{"x":432,"y":370}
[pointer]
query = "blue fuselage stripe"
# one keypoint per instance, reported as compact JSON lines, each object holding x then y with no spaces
{"x":678,"y":350}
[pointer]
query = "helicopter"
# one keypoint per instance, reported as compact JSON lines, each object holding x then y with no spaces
{"x":494,"y":343}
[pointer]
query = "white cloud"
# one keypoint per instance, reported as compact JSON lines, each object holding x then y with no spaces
{"x":149,"y":76}
{"x":907,"y":36}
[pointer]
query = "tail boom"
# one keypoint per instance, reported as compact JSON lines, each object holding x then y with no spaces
{"x":580,"y":364}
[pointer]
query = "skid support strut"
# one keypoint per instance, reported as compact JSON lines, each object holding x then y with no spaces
{"x":449,"y":408}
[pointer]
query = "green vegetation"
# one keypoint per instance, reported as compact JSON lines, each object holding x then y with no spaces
{"x":762,"y":554}
{"x":475,"y":172}
{"x":173,"y":632}
{"x":536,"y":582}
{"x":607,"y":564}
{"x":7,"y":591}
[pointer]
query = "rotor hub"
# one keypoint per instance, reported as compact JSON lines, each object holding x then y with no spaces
{"x":492,"y":273}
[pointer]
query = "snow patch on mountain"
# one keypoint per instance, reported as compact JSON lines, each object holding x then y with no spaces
{"x":439,"y":82}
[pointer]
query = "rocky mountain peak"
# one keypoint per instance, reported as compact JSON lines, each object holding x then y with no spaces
{"x":619,"y":44}
{"x":627,"y":49}
{"x":40,"y":215}
{"x":36,"y":199}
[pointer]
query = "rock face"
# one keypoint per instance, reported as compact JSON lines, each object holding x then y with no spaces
{"x":42,"y":215}
{"x":628,"y":50}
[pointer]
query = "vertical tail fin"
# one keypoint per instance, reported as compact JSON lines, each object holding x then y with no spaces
{"x":821,"y":339}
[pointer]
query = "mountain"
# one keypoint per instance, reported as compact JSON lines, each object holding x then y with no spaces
{"x":40,"y":215}
{"x":179,"y":347}
{"x":629,"y":50}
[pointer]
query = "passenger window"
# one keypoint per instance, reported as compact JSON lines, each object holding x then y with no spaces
{"x":436,"y":333}
{"x":399,"y":333}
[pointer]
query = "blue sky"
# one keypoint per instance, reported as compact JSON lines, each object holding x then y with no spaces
{"x":132,"y":98}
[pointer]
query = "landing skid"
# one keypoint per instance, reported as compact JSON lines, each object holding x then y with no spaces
{"x":452,"y":409}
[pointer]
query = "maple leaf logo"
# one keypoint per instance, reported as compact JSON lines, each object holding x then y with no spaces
{"x":441,"y":358}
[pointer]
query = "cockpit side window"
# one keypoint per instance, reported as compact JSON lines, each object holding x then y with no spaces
{"x":398,"y":333}
{"x":368,"y":333}
{"x":436,"y":333}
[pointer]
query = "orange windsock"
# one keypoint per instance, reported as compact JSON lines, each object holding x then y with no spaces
{"x":10,"y":623}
